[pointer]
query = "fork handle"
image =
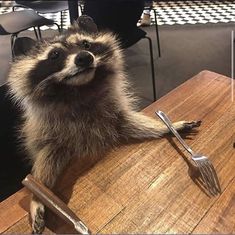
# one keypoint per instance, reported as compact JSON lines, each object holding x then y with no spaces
{"x":169,"y":124}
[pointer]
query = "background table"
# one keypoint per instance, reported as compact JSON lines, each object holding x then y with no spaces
{"x":145,"y":187}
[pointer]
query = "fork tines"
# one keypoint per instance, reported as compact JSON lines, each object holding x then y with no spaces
{"x":209,"y":176}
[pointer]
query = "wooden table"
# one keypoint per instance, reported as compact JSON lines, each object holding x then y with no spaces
{"x":145,"y":187}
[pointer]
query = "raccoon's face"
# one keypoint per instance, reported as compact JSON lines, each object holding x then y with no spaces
{"x":71,"y":63}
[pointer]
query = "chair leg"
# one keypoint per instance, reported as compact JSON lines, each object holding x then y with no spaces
{"x":36,"y":34}
{"x":39,"y":33}
{"x":59,"y":29}
{"x":152,"y":67}
{"x":157,"y":32}
{"x":61,"y":20}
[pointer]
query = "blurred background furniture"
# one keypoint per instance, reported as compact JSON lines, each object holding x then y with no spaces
{"x":149,"y":17}
{"x":13,"y":23}
{"x":44,"y":7}
{"x":121,"y":17}
{"x":74,"y":13}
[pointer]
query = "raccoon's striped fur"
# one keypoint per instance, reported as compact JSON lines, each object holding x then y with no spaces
{"x":74,"y":93}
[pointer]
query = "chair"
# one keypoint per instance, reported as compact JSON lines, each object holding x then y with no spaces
{"x":149,"y":6}
{"x":13,"y":167}
{"x":44,"y":7}
{"x":121,"y":17}
{"x":13,"y":23}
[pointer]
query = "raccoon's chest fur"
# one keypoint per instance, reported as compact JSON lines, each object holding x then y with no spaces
{"x":87,"y":132}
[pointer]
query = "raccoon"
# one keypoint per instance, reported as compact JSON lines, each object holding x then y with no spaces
{"x":76,"y":102}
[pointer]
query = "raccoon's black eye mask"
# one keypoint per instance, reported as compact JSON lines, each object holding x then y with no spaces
{"x":55,"y":54}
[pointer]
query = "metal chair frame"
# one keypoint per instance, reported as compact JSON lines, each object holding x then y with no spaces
{"x":152,"y":66}
{"x":157,"y":32}
{"x":39,"y":35}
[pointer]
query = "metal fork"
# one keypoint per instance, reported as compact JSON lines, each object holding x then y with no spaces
{"x":202,"y":162}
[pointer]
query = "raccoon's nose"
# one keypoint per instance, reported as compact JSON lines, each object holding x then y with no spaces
{"x":84,"y":59}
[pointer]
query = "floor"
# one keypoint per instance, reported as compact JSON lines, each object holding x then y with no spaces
{"x":195,"y":12}
{"x":175,"y":12}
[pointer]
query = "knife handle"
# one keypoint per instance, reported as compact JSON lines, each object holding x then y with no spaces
{"x":48,"y":198}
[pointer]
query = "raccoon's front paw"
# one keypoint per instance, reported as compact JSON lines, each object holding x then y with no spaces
{"x":37,"y":211}
{"x":188,"y":125}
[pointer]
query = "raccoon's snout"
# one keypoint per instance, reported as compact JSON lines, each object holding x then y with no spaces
{"x":84,"y":59}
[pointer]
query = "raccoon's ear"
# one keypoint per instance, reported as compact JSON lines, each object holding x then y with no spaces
{"x":84,"y":23}
{"x":23,"y":45}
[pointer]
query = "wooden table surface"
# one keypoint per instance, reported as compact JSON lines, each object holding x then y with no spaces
{"x":145,"y":187}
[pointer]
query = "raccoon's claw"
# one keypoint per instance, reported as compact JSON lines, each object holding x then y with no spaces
{"x":38,"y":224}
{"x":37,"y":215}
{"x":191,"y":125}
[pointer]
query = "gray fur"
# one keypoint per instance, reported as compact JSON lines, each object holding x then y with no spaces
{"x":64,"y":119}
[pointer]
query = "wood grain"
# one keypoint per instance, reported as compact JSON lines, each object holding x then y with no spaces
{"x":13,"y":209}
{"x":145,"y":187}
{"x":220,"y":218}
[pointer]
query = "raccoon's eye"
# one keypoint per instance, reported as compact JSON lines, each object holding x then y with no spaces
{"x":54,"y":54}
{"x":86,"y":44}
